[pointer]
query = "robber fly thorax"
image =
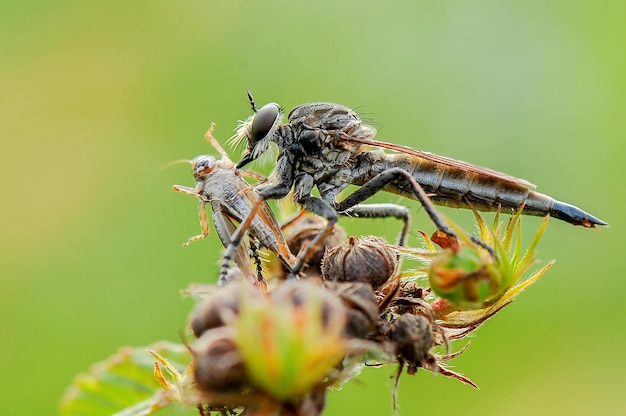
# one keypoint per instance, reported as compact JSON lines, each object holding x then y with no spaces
{"x":231,"y":198}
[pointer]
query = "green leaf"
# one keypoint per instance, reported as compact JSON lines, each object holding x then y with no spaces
{"x":125,"y":383}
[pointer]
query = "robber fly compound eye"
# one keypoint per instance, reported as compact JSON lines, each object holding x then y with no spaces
{"x":264,"y":122}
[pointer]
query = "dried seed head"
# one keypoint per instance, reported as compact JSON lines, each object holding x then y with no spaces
{"x":299,"y":295}
{"x":411,"y":337}
{"x":362,"y":309}
{"x":403,"y":296}
{"x":218,"y":365}
{"x":304,"y":229}
{"x":368,"y":260}
{"x":210,"y":313}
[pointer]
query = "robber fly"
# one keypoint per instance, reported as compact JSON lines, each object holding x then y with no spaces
{"x":327,"y":146}
{"x":220,"y":184}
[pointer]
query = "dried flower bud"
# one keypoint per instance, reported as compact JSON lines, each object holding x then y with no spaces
{"x":411,"y":337}
{"x":367,"y":260}
{"x":209,"y":313}
{"x":298,"y":294}
{"x":304,"y":229}
{"x":218,"y":365}
{"x":402,"y":296}
{"x":362,"y":308}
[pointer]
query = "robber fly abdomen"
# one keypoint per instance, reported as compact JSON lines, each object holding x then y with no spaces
{"x":460,"y":187}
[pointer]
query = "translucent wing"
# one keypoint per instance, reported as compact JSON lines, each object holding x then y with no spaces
{"x":440,"y":159}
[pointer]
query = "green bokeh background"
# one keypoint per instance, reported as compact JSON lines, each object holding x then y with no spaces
{"x":97,"y":96}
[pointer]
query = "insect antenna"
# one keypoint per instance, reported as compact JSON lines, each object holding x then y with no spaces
{"x":251,"y":99}
{"x":176,"y":162}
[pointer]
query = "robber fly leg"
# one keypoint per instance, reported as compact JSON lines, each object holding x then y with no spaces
{"x":378,"y":183}
{"x":323,"y":209}
{"x":383,"y":211}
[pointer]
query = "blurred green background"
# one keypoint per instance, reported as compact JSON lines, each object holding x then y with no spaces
{"x":97,"y":96}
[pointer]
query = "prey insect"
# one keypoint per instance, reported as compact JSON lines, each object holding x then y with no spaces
{"x":327,"y":146}
{"x":232,"y":199}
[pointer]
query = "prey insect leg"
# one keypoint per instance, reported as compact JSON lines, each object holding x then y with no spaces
{"x":202,"y":214}
{"x":254,"y":254}
{"x":312,"y":204}
{"x":235,"y":240}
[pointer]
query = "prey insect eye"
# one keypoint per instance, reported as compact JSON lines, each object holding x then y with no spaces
{"x":264,"y":121}
{"x":203,"y":165}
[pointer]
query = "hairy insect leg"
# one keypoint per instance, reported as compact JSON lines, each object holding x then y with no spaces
{"x":312,"y":204}
{"x":235,"y":241}
{"x":252,"y":174}
{"x":293,"y":220}
{"x":213,"y":142}
{"x":383,"y":211}
{"x":204,"y":224}
{"x":186,"y":190}
{"x":202,"y":214}
{"x":380,"y":181}
{"x":318,"y":207}
{"x":254,"y":253}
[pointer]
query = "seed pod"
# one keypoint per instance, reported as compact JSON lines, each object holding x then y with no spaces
{"x":292,"y":341}
{"x":298,"y":293}
{"x":367,"y":260}
{"x":304,"y":229}
{"x":361,"y":306}
{"x":218,"y":365}
{"x":412,"y":338}
{"x":400,"y":297}
{"x":209,"y":313}
{"x":467,"y":277}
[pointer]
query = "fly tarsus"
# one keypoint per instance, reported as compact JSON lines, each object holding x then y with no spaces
{"x":574,"y":215}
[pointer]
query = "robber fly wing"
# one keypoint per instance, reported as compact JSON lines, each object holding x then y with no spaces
{"x":453,"y":163}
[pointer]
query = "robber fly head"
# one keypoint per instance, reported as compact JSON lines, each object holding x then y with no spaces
{"x":257,"y":130}
{"x":202,"y":166}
